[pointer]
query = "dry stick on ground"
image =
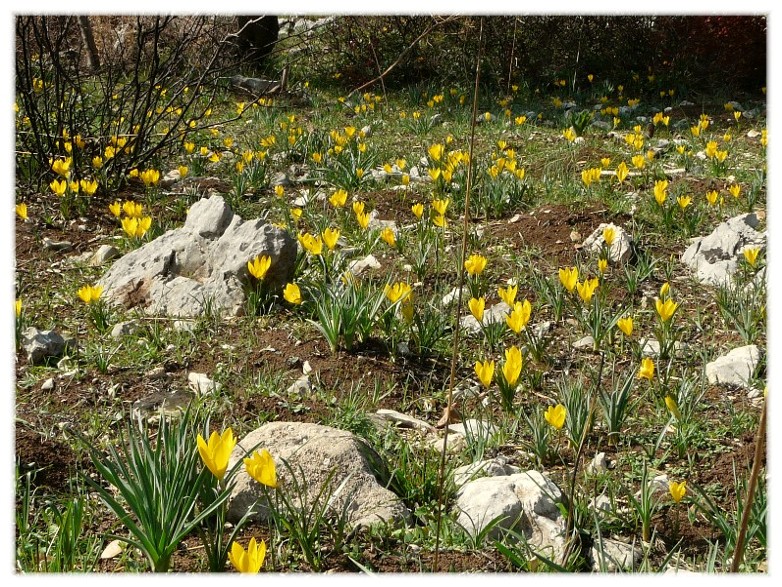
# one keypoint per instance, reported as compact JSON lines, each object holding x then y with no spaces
{"x":760,"y":443}
{"x":429,"y":29}
{"x":455,"y":354}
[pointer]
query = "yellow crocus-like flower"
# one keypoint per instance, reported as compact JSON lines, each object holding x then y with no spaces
{"x":136,"y":227}
{"x":398,"y":291}
{"x":508,"y":295}
{"x":292,"y":294}
{"x":249,"y":561}
{"x":109,"y":152}
{"x":360,"y":170}
{"x":661,"y":191}
{"x":150,"y":177}
{"x":296,"y":213}
{"x":665,"y":309}
{"x":587,"y":289}
{"x":338,"y":198}
{"x":18,"y":307}
{"x":485,"y":372}
{"x":259,"y":266}
{"x":436,"y":151}
{"x":609,"y":233}
{"x":513,"y":364}
{"x":638,"y":161}
{"x":189,"y":146}
{"x":519,"y":317}
{"x":363,"y":220}
{"x":735,"y":190}
{"x":476,"y":307}
{"x":569,"y":277}
{"x":279,"y":191}
{"x":62,"y":167}
{"x":721,"y":155}
{"x":737,"y":115}
{"x":602,"y":265}
{"x":569,"y":134}
{"x":97,"y":162}
{"x":711,"y":149}
{"x":90,"y":293}
{"x":673,"y":407}
{"x":684,"y":201}
{"x":439,"y":220}
{"x":182,"y":171}
{"x":115,"y":208}
{"x":626,"y":325}
{"x":313,"y":245}
{"x":388,"y":236}
{"x":418,"y":210}
{"x":751,"y":255}
{"x":475,"y":264}
{"x":605,"y":162}
{"x":622,"y":171}
{"x":21,"y":210}
{"x":646,"y":371}
{"x":677,"y":490}
{"x":555,"y":415}
{"x":216,"y":451}
{"x":358,"y":207}
{"x":132,"y":209}
{"x":260,"y":466}
{"x":74,"y":185}
{"x":434,"y":173}
{"x":711,"y":197}
{"x":665,"y":289}
{"x":59,"y":187}
{"x":590,"y":176}
{"x":88,"y":187}
{"x":330,"y":237}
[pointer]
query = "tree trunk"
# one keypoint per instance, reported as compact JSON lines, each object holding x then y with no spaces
{"x":93,"y":61}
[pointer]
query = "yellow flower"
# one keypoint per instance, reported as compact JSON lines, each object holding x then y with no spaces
{"x":313,"y":245}
{"x":587,"y":289}
{"x":440,"y":221}
{"x":182,"y":171}
{"x":661,"y":191}
{"x":711,"y":197}
{"x":388,"y":236}
{"x":215,"y":453}
{"x":512,"y":367}
{"x":737,"y":115}
{"x":418,"y":210}
{"x":519,"y":317}
{"x":665,"y":309}
{"x":189,"y":147}
{"x":609,"y":233}
{"x":18,"y":309}
{"x":626,"y":325}
{"x":555,"y":415}
{"x":330,"y":237}
{"x":62,"y":167}
{"x":434,"y":173}
{"x":673,"y":407}
{"x":569,"y":134}
{"x":602,"y":265}
{"x":396,"y":292}
{"x":109,"y":152}
{"x":338,"y":198}
{"x":605,"y":162}
{"x":475,"y":264}
{"x":21,"y":210}
{"x":590,"y":176}
{"x":678,"y":490}
{"x":622,"y":171}
{"x":683,"y":201}
{"x":249,"y":561}
{"x":485,"y":372}
{"x":638,"y":161}
{"x":436,"y":151}
{"x":440,"y":206}
{"x":279,"y":191}
{"x":59,"y":187}
{"x":508,"y":295}
{"x":150,"y":177}
{"x":363,"y":220}
{"x":695,"y":130}
{"x":292,"y":294}
{"x":665,"y":289}
{"x":721,"y":155}
{"x":115,"y":208}
{"x":74,"y":185}
{"x":735,"y":190}
{"x":136,"y":227}
{"x":751,"y":255}
{"x":647,"y":369}
{"x":132,"y":209}
{"x":90,"y":293}
{"x":711,"y":149}
{"x":259,"y":266}
{"x":261,"y":468}
{"x":97,"y":162}
{"x":406,"y":179}
{"x":476,"y":307}
{"x":358,"y":207}
{"x":296,"y":213}
{"x":569,"y":278}
{"x":88,"y":187}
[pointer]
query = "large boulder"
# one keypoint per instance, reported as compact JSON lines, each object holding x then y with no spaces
{"x":200,"y":266}
{"x":714,"y":258}
{"x":735,"y":368}
{"x":317,"y":455}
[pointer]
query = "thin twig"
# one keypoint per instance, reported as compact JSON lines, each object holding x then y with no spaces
{"x":455,"y":353}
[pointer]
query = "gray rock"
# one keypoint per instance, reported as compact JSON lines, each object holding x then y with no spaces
{"x":524,"y":502}
{"x":496,"y":313}
{"x":405,"y":421}
{"x":456,"y":443}
{"x":714,"y":257}
{"x":651,"y":347}
{"x":121,"y":329}
{"x":161,"y":404}
{"x":453,"y":296}
{"x":201,"y":384}
{"x":474,"y":428}
{"x":621,"y":249}
{"x":599,"y":464}
{"x":610,"y":556}
{"x":735,"y":368}
{"x":317,"y":455}
{"x":42,"y":345}
{"x":486,"y":468}
{"x":600,"y":503}
{"x":48,"y":385}
{"x":300,"y":387}
{"x":103,"y":254}
{"x":200,"y":265}
{"x":586,"y":342}
{"x":61,"y":246}
{"x":359,"y":266}
{"x":185,"y":326}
